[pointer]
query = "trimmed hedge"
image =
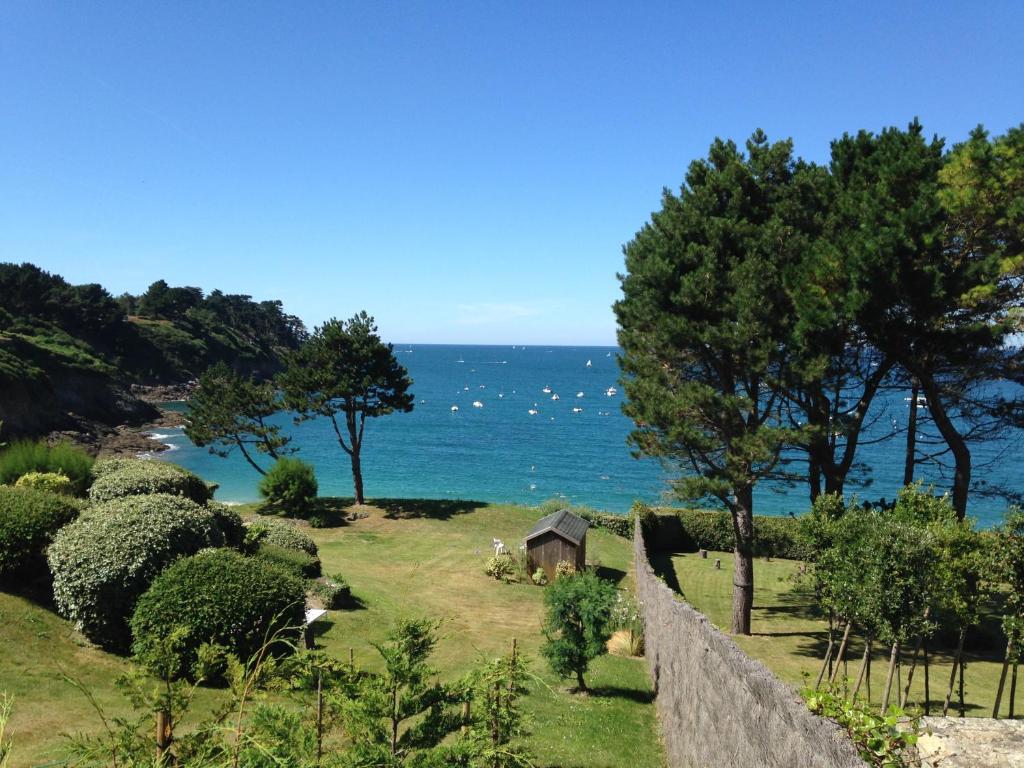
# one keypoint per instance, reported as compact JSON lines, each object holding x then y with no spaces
{"x":51,"y":482}
{"x":280,"y":534}
{"x":295,"y":561}
{"x":688,"y":530}
{"x":333,"y":592}
{"x":29,"y":519}
{"x":230,"y":524}
{"x":221,"y":598}
{"x":26,"y":456}
{"x":620,"y":525}
{"x":136,"y":477}
{"x":103,"y":561}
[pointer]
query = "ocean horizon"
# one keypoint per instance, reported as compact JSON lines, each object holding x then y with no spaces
{"x":510,"y":441}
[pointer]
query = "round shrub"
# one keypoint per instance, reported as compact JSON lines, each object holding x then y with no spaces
{"x":51,"y":482}
{"x":103,"y":561}
{"x":113,"y":464}
{"x":291,"y":485}
{"x":295,"y":561}
{"x":229,"y":522}
{"x":136,"y":477}
{"x":26,"y":456}
{"x":29,"y":519}
{"x":219,"y":597}
{"x":280,"y":534}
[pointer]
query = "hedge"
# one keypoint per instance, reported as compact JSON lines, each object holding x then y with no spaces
{"x":229,"y":522}
{"x":333,"y":592}
{"x":620,"y":525}
{"x":280,"y":534}
{"x":688,"y":530}
{"x":290,"y":484}
{"x":136,"y":477}
{"x":29,"y":519}
{"x":295,"y":561}
{"x":103,"y":561}
{"x":218,"y":597}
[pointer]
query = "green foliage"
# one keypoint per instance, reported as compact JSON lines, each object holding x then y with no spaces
{"x":229,"y":522}
{"x":687,"y":530}
{"x":577,"y":623}
{"x":344,"y":369}
{"x":620,"y":525}
{"x":221,"y":597}
{"x":497,"y":721}
{"x":291,"y":486}
{"x":139,"y":477}
{"x":564,"y":568}
{"x":25,"y":456}
{"x":399,"y":716}
{"x":628,"y":617}
{"x":51,"y":482}
{"x":228,"y":411}
{"x":298,"y":563}
{"x":6,"y":708}
{"x":104,"y":560}
{"x":885,"y":741}
{"x":502,"y":567}
{"x":1006,"y":569}
{"x":334,"y":592}
{"x":280,"y":533}
{"x":29,"y":519}
{"x":539,"y":577}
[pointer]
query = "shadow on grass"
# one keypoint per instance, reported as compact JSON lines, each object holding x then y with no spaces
{"x":614,"y":575}
{"x":618,"y":692}
{"x":434,"y":509}
{"x":663,"y":566}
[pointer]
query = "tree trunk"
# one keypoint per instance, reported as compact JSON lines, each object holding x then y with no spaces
{"x":911,"y":455}
{"x":865,"y":662}
{"x":828,"y":655}
{"x":913,"y":662}
{"x":1002,"y":678}
{"x":893,"y":658}
{"x":841,"y":654}
{"x":245,"y":453}
{"x":957,"y":445}
{"x":581,"y":686}
{"x":357,"y":477}
{"x":927,"y":682}
{"x":952,"y":673}
{"x":743,"y":561}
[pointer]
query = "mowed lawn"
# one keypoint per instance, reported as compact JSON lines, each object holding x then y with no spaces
{"x":791,"y":640}
{"x":413,"y":558}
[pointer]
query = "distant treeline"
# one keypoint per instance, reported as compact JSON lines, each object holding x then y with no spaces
{"x":64,"y":346}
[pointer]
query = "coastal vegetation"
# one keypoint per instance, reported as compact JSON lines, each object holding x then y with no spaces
{"x":767,"y":302}
{"x":70,"y":353}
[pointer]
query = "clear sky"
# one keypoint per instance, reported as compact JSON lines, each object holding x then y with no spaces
{"x":467,"y":172}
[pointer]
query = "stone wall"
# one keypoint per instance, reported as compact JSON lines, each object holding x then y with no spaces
{"x":717,"y":705}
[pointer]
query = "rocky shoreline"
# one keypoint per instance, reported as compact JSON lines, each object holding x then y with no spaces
{"x":127,"y":439}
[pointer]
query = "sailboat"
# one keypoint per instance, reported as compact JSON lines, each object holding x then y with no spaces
{"x":589,"y":364}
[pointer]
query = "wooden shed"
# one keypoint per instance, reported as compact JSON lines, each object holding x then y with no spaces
{"x":557,"y":537}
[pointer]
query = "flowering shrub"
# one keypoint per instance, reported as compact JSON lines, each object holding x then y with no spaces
{"x":627,"y":617}
{"x":104,"y":560}
{"x":136,"y":477}
{"x":564,"y":568}
{"x":52,"y":482}
{"x":539,"y":577}
{"x":502,"y":567}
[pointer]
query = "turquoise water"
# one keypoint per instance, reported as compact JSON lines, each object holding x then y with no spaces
{"x":501,"y":453}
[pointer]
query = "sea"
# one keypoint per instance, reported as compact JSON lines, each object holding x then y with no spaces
{"x":523,"y":424}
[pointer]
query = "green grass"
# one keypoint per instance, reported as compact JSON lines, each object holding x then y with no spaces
{"x":790,"y":639}
{"x":406,"y":558}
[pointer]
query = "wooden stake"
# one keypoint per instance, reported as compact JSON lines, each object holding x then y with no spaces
{"x":952,"y":672}
{"x":841,"y":654}
{"x":465,"y":717}
{"x":927,"y":686}
{"x":1013,"y":687}
{"x":865,"y":661}
{"x":319,"y":716}
{"x":1002,"y":678}
{"x":164,"y":735}
{"x":893,"y":658}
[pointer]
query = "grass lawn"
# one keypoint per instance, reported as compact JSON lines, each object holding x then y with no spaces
{"x":405,"y":558}
{"x":791,"y":640}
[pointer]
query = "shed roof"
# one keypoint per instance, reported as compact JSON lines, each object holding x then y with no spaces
{"x":564,"y":523}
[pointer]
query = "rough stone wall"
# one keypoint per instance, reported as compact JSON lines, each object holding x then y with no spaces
{"x":717,"y":705}
{"x":972,"y":742}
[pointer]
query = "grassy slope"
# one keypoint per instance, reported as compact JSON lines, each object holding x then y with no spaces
{"x":411,"y":558}
{"x":791,"y":640}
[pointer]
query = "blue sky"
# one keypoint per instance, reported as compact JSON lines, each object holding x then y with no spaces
{"x":466,"y":172}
